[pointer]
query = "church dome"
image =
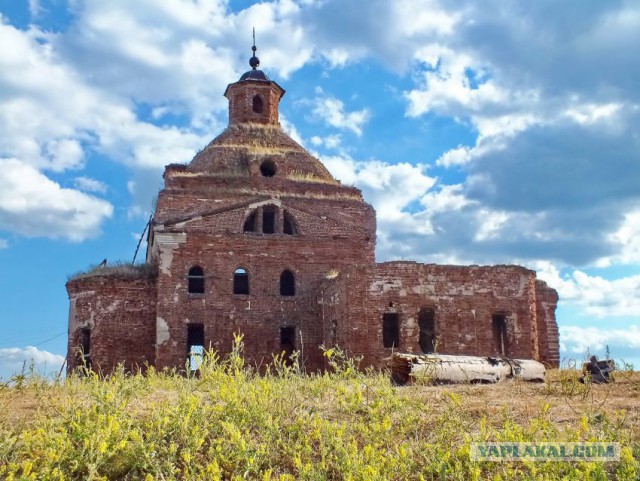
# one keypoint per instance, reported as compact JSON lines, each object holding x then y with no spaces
{"x":254,"y":75}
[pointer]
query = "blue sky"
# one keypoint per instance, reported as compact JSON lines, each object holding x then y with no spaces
{"x":482,"y":132}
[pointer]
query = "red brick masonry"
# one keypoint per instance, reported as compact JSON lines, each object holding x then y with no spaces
{"x":255,"y":200}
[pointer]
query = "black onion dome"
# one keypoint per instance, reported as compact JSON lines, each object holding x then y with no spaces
{"x":254,"y":75}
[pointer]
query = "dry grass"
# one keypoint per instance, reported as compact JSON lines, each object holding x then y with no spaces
{"x":309,"y":177}
{"x":231,"y":423}
{"x":119,"y":269}
{"x":568,"y":399}
{"x":257,"y":147}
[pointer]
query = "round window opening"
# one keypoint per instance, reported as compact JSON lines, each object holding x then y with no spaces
{"x":268,"y":168}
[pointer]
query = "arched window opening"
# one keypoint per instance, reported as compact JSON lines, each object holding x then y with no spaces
{"x":268,"y":168}
{"x":289,"y":226}
{"x":500,"y":340}
{"x":287,"y":284}
{"x":390,"y":330}
{"x":195,"y":280}
{"x":426,"y":323}
{"x":258,"y":106}
{"x":240,"y":281}
{"x":250,"y":223}
{"x":269,"y":216}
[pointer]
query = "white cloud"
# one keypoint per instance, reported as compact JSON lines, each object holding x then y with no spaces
{"x":389,"y":187}
{"x":330,"y":141}
{"x":3,"y":243}
{"x":13,"y":359}
{"x":594,"y":295}
{"x":453,"y":83}
{"x":458,"y":156}
{"x":492,"y":224}
{"x":579,"y":340}
{"x":394,"y":190}
{"x":332,"y":111}
{"x":33,"y":205}
{"x":64,"y":154}
{"x":48,"y":110}
{"x":538,"y":109}
{"x":290,"y":129}
{"x":628,"y":238}
{"x":447,"y":198}
{"x":90,"y":185}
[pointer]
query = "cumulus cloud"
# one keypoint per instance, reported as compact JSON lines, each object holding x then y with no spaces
{"x":523,"y":81}
{"x":392,"y":189}
{"x":597,"y":297}
{"x":34,"y":8}
{"x":555,"y":166}
{"x":627,"y":237}
{"x":330,"y":141}
{"x":332,"y":111}
{"x":13,"y":359}
{"x":579,"y":340}
{"x":90,"y":185}
{"x":33,"y":205}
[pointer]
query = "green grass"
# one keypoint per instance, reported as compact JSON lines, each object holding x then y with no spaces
{"x":232,"y":423}
{"x":119,"y":269}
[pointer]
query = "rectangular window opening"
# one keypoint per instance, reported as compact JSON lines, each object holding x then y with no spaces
{"x":195,"y":345}
{"x":390,"y":330}
{"x":499,"y":328}
{"x":427,"y":337}
{"x":241,"y":283}
{"x":85,"y":345}
{"x":287,"y":341}
{"x":268,"y":221}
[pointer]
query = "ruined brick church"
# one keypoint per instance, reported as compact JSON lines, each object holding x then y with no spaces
{"x":255,"y":236}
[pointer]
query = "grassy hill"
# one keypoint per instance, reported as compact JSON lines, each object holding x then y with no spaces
{"x":230,"y":423}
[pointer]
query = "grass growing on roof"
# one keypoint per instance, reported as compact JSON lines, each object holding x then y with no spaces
{"x":119,"y":269}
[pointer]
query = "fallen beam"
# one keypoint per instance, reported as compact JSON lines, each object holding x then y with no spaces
{"x":407,"y":368}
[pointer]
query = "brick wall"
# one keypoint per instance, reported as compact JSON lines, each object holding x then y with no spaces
{"x":120,"y":314}
{"x":546,"y":303}
{"x":254,"y":168}
{"x":464,"y":300}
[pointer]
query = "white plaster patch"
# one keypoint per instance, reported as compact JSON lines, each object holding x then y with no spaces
{"x":113,"y":306}
{"x":167,"y":242}
{"x":424,"y":289}
{"x":73,"y":322}
{"x":524,"y":281}
{"x":162,"y":331}
{"x":185,"y":222}
{"x":385,"y":286}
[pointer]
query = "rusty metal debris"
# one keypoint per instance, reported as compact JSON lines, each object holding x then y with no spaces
{"x":598,"y":371}
{"x":408,"y":368}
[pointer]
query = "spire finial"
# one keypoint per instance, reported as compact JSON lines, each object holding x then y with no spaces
{"x":254,"y":61}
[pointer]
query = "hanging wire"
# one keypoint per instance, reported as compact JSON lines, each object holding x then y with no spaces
{"x":6,"y":356}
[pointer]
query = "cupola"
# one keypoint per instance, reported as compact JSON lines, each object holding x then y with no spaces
{"x":254,"y":98}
